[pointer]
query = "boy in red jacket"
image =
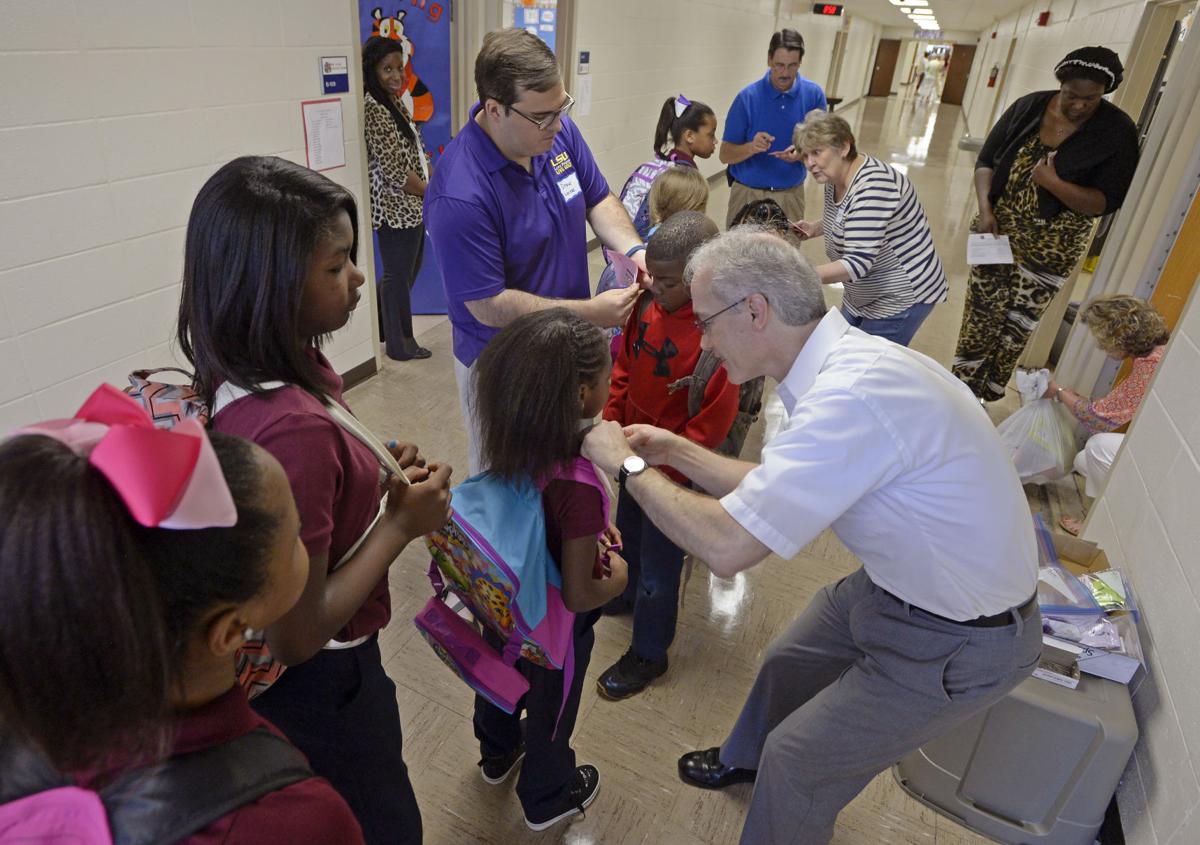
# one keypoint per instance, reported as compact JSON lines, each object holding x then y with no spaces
{"x":660,"y":347}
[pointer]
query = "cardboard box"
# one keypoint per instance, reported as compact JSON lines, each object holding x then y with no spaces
{"x":1080,"y":557}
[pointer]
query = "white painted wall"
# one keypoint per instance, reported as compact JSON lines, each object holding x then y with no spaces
{"x":858,"y":59}
{"x":1146,"y":520}
{"x":110,"y":120}
{"x":1073,"y":24}
{"x":642,"y":53}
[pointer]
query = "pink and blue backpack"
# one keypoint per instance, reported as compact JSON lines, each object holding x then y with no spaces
{"x":492,"y":555}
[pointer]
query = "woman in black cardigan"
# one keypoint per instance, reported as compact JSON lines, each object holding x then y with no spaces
{"x":1053,"y":162}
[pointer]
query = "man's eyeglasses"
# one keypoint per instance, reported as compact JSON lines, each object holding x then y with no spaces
{"x":545,"y":122}
{"x":702,"y":325}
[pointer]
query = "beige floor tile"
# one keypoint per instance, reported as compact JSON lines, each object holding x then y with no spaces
{"x":724,"y":626}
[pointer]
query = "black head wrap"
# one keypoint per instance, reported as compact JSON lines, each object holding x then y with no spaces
{"x":1095,"y":64}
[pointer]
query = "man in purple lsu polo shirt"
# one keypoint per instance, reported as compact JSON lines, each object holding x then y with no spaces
{"x":507,"y":206}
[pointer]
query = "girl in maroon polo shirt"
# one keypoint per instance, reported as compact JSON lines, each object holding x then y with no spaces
{"x":269,"y":273}
{"x":118,"y":636}
{"x":534,"y":383}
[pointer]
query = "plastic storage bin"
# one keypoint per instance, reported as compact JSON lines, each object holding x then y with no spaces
{"x":1039,"y":766}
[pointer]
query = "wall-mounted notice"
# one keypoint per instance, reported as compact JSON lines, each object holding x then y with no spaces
{"x":323,"y":142}
{"x":335,"y":75}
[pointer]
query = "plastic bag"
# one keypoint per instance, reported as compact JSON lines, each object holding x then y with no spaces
{"x":1040,"y":437}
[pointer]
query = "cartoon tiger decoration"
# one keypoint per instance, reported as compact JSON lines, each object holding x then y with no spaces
{"x":417,"y":98}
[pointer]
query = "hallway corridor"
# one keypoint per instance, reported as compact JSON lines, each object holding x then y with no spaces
{"x":723,"y":625}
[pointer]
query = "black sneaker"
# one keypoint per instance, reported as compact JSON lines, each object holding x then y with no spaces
{"x":629,"y":676}
{"x":581,"y":793}
{"x":495,"y":770}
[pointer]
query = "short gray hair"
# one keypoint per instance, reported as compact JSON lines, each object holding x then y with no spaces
{"x":823,"y":129}
{"x":752,"y":259}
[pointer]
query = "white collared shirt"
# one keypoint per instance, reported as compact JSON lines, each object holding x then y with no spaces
{"x":895,"y":453}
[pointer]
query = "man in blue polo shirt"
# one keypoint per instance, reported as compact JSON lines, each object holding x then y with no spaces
{"x":757,"y":143}
{"x":507,"y":208}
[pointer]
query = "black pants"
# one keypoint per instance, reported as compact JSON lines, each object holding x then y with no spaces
{"x":655,"y":566}
{"x":339,"y":708}
{"x":549,"y":764}
{"x":401,"y":251}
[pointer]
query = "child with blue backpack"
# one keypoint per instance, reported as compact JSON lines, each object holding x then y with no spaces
{"x":652,"y":383}
{"x":536,"y":385}
{"x":132,"y":563}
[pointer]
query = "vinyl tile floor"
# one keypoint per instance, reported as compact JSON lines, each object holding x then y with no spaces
{"x":724,"y":625}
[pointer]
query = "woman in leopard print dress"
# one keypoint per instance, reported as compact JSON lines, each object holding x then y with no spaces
{"x":398,"y":172}
{"x":1053,"y":162}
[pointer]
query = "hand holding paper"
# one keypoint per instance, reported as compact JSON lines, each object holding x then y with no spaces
{"x":988,"y":249}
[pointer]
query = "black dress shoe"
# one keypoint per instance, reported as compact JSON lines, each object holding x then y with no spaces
{"x":629,"y":676}
{"x":411,"y":351}
{"x":705,"y":770}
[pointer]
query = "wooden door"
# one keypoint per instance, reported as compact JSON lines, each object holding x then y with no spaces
{"x":885,"y":67}
{"x":956,"y":77}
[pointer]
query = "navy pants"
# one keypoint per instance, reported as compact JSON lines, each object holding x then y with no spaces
{"x":339,"y":708}
{"x":898,"y":328}
{"x":401,"y":251}
{"x":655,"y":566}
{"x":549,"y":763}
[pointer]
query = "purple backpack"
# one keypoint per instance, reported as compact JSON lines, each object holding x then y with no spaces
{"x":492,"y":556}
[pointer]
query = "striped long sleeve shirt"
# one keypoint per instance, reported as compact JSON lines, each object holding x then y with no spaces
{"x":879,"y":231}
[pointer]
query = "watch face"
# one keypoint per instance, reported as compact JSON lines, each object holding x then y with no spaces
{"x":633,"y":464}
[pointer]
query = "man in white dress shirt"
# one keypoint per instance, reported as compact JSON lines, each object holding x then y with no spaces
{"x":888,"y":448}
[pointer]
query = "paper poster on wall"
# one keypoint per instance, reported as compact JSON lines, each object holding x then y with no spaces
{"x":424,"y":30}
{"x":323,"y":144}
{"x":539,"y":22}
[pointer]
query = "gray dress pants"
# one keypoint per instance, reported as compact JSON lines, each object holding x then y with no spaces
{"x":858,"y":681}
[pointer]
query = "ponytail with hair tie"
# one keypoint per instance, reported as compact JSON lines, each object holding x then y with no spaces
{"x":678,"y":115}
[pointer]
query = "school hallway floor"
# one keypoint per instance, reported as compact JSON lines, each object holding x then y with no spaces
{"x":724,"y":626}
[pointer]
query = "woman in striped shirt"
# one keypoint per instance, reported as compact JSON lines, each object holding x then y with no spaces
{"x":876,"y":233}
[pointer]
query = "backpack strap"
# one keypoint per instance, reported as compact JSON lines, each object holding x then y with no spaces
{"x":701,"y":375}
{"x":228,"y":393}
{"x":180,"y":796}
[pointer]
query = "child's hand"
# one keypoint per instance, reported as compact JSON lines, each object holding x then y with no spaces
{"x":422,"y":505}
{"x":406,"y":454}
{"x":618,"y":575}
{"x":612,"y":536}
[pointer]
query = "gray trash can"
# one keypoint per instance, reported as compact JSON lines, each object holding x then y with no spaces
{"x":1037,"y":768}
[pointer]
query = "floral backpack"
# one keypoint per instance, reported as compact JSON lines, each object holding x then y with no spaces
{"x":492,"y":556}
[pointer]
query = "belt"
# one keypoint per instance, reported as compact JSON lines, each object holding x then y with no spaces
{"x":996,"y":620}
{"x":771,"y":190}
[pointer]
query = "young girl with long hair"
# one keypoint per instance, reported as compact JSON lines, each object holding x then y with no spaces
{"x":269,"y":273}
{"x":535,"y":384}
{"x":691,"y":127}
{"x":151,"y":597}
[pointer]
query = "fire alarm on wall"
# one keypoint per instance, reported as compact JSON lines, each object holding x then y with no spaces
{"x":1043,"y":18}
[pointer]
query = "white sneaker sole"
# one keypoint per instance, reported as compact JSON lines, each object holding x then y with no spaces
{"x":503,"y":777}
{"x":574,"y":811}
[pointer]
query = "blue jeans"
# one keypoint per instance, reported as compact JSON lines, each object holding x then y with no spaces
{"x":655,"y":566}
{"x":899,"y":328}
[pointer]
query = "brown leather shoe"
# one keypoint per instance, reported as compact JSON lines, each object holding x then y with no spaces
{"x":705,"y":770}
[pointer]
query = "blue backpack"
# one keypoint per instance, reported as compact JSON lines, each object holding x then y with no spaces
{"x":492,"y":555}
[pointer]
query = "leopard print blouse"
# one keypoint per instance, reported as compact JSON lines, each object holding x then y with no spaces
{"x":1052,"y":246}
{"x":390,"y":158}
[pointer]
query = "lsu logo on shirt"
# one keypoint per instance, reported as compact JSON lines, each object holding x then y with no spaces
{"x":568,"y":185}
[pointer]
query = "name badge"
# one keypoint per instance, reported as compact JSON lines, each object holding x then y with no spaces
{"x":570,"y":187}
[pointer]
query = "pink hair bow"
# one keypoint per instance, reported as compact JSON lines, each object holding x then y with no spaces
{"x":166,"y":478}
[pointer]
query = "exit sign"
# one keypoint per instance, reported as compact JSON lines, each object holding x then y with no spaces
{"x":826,"y":9}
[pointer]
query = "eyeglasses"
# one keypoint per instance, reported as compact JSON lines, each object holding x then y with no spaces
{"x":702,"y":325}
{"x":547,"y":121}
